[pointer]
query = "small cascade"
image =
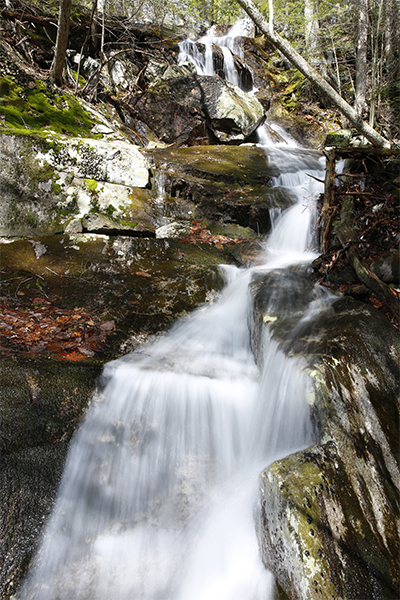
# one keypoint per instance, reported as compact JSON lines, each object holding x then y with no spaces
{"x":271,"y":134}
{"x":157,"y":498}
{"x":158,"y":494}
{"x":229,"y":44}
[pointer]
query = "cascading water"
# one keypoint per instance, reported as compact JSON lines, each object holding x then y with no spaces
{"x":229,"y":44}
{"x":157,"y":496}
{"x":158,"y":493}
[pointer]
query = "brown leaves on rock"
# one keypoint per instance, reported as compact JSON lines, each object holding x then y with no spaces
{"x":47,"y":329}
{"x":199,"y":233}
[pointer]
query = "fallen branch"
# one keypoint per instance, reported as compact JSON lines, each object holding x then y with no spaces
{"x":328,"y":196}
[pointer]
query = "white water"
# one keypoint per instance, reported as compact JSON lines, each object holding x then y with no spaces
{"x":160,"y":485}
{"x":269,"y":135}
{"x":229,"y":44}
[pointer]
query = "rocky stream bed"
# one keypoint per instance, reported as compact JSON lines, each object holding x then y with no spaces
{"x":112,"y":230}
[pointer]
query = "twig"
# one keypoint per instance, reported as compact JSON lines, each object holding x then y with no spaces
{"x":316,"y":178}
{"x":55,"y":273}
{"x":372,"y":226}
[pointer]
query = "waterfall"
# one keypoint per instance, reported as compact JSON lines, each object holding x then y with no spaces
{"x":160,"y":486}
{"x":229,"y":44}
{"x":158,"y":493}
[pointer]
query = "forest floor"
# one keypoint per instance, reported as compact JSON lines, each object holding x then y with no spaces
{"x":372,"y":184}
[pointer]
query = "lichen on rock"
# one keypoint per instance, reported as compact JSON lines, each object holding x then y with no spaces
{"x":330,"y":522}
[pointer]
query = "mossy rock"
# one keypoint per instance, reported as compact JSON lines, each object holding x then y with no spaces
{"x":230,"y":184}
{"x":247,"y":164}
{"x":327,"y":549}
{"x":46,"y":183}
{"x":339,"y":139}
{"x":37,"y":109}
{"x":143,"y":285}
{"x":346,"y":487}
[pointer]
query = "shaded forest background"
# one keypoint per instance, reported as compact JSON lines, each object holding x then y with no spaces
{"x":355,"y":46}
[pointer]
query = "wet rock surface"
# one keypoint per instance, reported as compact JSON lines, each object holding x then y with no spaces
{"x":140,"y":284}
{"x":330,"y":515}
{"x":41,"y":403}
{"x":127,"y":290}
{"x":227,"y":184}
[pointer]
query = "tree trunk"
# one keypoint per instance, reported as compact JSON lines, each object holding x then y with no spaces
{"x":304,"y":67}
{"x":94,"y":8}
{"x":375,"y":80}
{"x":311,"y":34}
{"x":392,"y":36}
{"x":361,"y":60}
{"x":57,"y":67}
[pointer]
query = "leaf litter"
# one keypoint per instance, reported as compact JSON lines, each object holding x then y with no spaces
{"x":43,"y":328}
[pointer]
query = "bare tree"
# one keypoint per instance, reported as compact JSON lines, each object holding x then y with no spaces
{"x":90,"y":29}
{"x":316,"y":79}
{"x":361,"y":59}
{"x":57,"y":68}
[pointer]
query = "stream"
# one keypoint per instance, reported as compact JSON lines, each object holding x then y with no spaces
{"x":160,"y":492}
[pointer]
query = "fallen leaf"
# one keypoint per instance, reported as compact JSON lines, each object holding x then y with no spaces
{"x":107,"y":326}
{"x":85,"y":350}
{"x":143,"y":274}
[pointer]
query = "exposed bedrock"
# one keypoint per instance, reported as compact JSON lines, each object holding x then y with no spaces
{"x":329,"y":521}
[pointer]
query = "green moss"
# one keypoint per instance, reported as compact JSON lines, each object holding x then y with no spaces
{"x":56,"y":188}
{"x":91,"y":185}
{"x":110,"y":210}
{"x":222,"y":163}
{"x":32,"y":219}
{"x":128,"y":224}
{"x":39,"y":109}
{"x":8,"y":88}
{"x":42,"y":174}
{"x":304,"y":489}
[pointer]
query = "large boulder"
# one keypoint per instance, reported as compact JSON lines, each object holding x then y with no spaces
{"x":171,"y":121}
{"x":231,"y":115}
{"x":48,"y":182}
{"x":330,"y":522}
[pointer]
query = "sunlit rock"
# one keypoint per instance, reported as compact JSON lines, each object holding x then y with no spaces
{"x":46,"y":183}
{"x":230,"y":114}
{"x":173,"y":230}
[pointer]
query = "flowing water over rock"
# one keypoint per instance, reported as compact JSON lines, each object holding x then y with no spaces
{"x":205,"y":61}
{"x":158,"y":493}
